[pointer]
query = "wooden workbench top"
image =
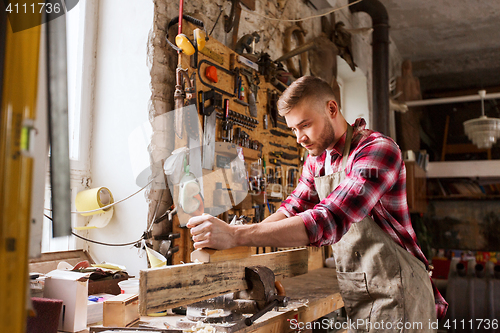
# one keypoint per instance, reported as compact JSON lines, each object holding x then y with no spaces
{"x":312,"y":296}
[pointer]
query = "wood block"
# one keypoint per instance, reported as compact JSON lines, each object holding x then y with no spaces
{"x":316,"y":258}
{"x":121,"y":311}
{"x":211,"y":255}
{"x":177,"y":285}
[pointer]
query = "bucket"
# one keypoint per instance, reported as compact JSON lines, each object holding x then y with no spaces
{"x":130,"y":286}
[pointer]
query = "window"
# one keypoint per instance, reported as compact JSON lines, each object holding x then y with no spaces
{"x":81,"y":23}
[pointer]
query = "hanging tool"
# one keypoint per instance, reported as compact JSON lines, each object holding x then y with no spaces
{"x":278,"y":162}
{"x":232,"y":21}
{"x":253,"y":84}
{"x":283,"y":146}
{"x":271,"y":71}
{"x":272,"y":106}
{"x":210,"y":117}
{"x":240,"y":119}
{"x":278,"y":133}
{"x":184,"y":45}
{"x":280,"y":154}
{"x":190,"y":115}
{"x":212,"y":55}
{"x":222,"y":69}
{"x":227,"y":125}
{"x":247,"y":43}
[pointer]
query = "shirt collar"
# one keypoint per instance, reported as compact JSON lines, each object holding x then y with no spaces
{"x":358,"y":125}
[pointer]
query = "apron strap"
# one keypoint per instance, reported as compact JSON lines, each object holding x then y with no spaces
{"x":347,"y":147}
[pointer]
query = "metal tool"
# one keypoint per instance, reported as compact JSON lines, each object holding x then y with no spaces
{"x":276,"y":161}
{"x":192,"y":120}
{"x":283,"y":146}
{"x":225,"y":312}
{"x":243,"y":120}
{"x":286,"y":156}
{"x":272,"y":106}
{"x":227,"y":124}
{"x":209,"y":124}
{"x":278,"y":133}
{"x":253,"y":84}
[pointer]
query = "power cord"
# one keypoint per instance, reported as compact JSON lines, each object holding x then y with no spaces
{"x":108,"y":244}
{"x":110,"y":205}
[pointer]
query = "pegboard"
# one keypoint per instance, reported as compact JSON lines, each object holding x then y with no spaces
{"x":276,"y":191}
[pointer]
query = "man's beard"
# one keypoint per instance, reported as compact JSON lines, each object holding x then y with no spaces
{"x":324,"y":141}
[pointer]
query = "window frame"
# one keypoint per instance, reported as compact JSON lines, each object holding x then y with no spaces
{"x":80,"y":139}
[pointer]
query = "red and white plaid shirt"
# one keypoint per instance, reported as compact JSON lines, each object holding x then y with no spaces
{"x":375,"y":185}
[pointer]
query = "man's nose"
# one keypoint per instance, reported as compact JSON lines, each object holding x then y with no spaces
{"x":301,"y":137}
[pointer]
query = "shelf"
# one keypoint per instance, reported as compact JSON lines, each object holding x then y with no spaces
{"x":465,"y":197}
{"x":457,"y":169}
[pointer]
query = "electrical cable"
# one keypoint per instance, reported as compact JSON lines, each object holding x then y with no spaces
{"x":110,"y":205}
{"x":106,"y":244}
{"x":302,"y":19}
{"x":102,"y":243}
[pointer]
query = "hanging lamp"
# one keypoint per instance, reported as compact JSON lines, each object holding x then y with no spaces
{"x":483,"y":131}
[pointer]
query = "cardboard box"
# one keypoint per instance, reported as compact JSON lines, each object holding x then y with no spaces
{"x":71,"y":288}
{"x":121,"y":310}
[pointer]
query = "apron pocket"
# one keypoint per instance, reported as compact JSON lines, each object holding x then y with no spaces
{"x":357,"y":301}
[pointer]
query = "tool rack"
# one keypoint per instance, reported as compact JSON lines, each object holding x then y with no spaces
{"x":242,"y":122}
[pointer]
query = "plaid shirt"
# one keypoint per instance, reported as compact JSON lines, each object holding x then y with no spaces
{"x":375,"y":185}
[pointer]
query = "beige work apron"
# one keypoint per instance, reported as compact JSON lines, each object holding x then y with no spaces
{"x":384,"y":287}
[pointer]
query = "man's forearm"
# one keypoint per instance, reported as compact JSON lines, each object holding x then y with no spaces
{"x":278,"y":216}
{"x":287,"y":232}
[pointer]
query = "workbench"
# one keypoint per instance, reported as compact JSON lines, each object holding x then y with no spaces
{"x":312,"y":296}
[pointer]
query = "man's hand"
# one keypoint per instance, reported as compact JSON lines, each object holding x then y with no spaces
{"x":211,"y":232}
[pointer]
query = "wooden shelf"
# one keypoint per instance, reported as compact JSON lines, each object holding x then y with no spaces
{"x":465,"y":197}
{"x":457,"y":169}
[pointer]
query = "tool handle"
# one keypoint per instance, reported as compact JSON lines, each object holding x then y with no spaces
{"x":250,"y":320}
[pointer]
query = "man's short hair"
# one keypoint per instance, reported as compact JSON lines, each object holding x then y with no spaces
{"x":304,"y":87}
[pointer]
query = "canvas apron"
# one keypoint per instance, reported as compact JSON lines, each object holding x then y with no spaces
{"x":384,"y":287}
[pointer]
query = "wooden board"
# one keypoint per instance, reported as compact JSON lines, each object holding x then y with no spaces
{"x":171,"y":286}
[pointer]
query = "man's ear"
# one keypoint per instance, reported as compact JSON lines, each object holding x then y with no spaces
{"x":332,"y":108}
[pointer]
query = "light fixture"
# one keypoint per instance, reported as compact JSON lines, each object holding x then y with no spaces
{"x":483,"y":131}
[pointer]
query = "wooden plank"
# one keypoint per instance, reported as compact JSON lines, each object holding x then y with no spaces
{"x":171,"y":286}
